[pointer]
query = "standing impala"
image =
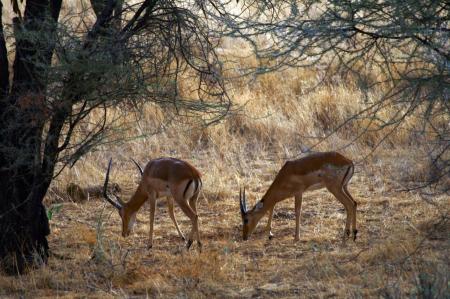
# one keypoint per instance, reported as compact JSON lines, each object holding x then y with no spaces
{"x":161,"y":177}
{"x":328,"y":170}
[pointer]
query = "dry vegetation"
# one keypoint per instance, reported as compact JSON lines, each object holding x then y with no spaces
{"x":400,"y":251}
{"x":403,"y":245}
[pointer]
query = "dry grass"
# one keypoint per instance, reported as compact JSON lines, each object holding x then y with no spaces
{"x":399,"y":252}
{"x":97,"y":262}
{"x":91,"y":259}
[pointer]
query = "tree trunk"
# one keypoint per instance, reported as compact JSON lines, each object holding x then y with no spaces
{"x":4,"y":71}
{"x":24,"y":231}
{"x":28,"y":153}
{"x":25,"y":174}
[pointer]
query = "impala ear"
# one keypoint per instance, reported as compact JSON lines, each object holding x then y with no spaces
{"x":138,"y":166}
{"x":245,"y":202}
{"x":241,"y":203}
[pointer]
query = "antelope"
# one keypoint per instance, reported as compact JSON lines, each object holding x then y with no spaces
{"x":329,"y":170}
{"x":170,"y":177}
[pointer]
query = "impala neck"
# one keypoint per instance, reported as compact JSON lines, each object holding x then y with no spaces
{"x":260,"y":209}
{"x":273,"y":195}
{"x":137,"y":200}
{"x":270,"y":198}
{"x":268,"y":201}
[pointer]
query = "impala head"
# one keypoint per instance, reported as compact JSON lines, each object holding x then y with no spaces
{"x":249,"y":222}
{"x":128,"y":218}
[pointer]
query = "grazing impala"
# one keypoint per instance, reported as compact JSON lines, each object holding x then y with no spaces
{"x":328,"y":170}
{"x":161,"y":177}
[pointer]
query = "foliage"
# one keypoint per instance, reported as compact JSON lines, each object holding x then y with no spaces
{"x":67,"y":75}
{"x":55,"y":208}
{"x":397,"y":48}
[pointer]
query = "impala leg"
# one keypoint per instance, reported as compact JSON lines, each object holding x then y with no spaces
{"x":193,"y":202}
{"x":352,"y":202}
{"x":353,"y":206}
{"x":269,"y":223}
{"x":193,"y":205}
{"x":342,"y":197}
{"x":298,"y":211}
{"x":194,"y":220}
{"x":152,"y":202}
{"x":172,"y":216}
{"x":187,"y":210}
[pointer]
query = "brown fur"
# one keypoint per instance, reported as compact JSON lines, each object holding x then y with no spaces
{"x":168,"y":177}
{"x":168,"y":169}
{"x":302,"y":167}
{"x":329,"y":170}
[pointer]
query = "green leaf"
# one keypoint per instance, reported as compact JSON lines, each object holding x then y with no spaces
{"x":54,"y":208}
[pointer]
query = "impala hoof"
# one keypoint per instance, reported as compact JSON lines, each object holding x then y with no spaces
{"x":189,"y":243}
{"x":270,"y":236}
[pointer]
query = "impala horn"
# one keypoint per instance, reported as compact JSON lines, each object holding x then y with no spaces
{"x":138,"y":166}
{"x":117,"y":204}
{"x":242,"y":202}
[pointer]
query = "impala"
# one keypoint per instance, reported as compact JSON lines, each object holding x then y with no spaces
{"x":173,"y":178}
{"x":328,"y":170}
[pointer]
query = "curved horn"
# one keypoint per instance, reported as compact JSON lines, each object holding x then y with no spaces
{"x":138,"y":166}
{"x":105,"y":187}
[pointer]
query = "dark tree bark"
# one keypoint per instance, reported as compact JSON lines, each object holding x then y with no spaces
{"x":37,"y":131}
{"x":4,"y":71}
{"x":24,"y":173}
{"x":28,"y":156}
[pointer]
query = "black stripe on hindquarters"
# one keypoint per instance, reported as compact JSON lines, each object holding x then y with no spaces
{"x":187,"y":187}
